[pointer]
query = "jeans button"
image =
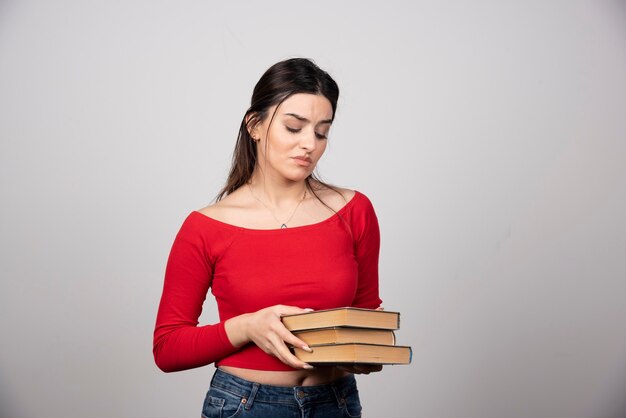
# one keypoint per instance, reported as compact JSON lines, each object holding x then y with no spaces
{"x":301,"y":394}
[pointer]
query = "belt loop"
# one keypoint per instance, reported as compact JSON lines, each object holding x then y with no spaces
{"x":250,"y":401}
{"x":338,"y":396}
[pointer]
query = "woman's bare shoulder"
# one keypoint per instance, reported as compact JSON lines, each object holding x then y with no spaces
{"x":214,"y":210}
{"x":223,"y":209}
{"x":334,"y":196}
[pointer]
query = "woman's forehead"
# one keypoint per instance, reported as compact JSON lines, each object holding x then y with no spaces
{"x":307,"y":106}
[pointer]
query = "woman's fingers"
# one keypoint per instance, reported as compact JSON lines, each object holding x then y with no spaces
{"x":269,"y":333}
{"x":287,"y":337}
{"x":283,"y":310}
{"x":291,"y":339}
{"x":361,"y":368}
{"x":284,"y":354}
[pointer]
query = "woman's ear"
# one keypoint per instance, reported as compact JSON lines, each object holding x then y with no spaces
{"x":251,"y":124}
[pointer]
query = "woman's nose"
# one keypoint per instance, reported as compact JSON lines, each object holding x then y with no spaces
{"x":308,"y":140}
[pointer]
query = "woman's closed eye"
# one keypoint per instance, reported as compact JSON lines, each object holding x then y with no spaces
{"x":318,"y":135}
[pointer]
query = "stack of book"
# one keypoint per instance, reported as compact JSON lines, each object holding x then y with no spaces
{"x":348,"y":336}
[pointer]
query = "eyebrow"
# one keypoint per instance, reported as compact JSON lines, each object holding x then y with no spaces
{"x":303,"y":119}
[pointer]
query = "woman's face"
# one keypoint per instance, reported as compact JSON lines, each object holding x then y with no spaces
{"x":296,"y":139}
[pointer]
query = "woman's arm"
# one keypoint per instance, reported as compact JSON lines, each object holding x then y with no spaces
{"x":180,"y":344}
{"x":265,"y":329}
{"x":367,"y":247}
{"x":366,"y":234}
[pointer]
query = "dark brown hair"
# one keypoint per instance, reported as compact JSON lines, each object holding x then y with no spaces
{"x":280,"y":81}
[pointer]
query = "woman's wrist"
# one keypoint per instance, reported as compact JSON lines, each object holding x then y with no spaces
{"x":237,"y":330}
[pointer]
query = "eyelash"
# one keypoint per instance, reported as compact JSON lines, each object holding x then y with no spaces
{"x":295,"y":131}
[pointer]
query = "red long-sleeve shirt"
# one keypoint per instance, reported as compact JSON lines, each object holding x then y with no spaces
{"x":329,"y":264}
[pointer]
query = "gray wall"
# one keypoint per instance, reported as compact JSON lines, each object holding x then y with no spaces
{"x":490,"y":136}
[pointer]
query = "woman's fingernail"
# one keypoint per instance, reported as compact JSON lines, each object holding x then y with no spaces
{"x":308,"y":367}
{"x":307,"y":348}
{"x":309,"y":309}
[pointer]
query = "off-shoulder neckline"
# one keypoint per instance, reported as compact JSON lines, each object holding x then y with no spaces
{"x":334,"y":216}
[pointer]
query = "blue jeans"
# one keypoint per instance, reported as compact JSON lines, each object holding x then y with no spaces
{"x":231,"y":396}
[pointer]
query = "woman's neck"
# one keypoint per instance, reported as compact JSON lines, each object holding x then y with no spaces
{"x":275,"y":193}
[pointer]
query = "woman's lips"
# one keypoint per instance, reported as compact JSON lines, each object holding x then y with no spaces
{"x":303,"y":161}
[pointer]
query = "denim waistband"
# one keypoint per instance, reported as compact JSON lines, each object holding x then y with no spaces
{"x":301,"y":395}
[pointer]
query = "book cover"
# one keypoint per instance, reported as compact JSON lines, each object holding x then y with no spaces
{"x":335,"y":335}
{"x":346,"y":317}
{"x":354,"y":353}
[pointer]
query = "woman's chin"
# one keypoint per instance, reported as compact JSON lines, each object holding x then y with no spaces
{"x":297,"y":176}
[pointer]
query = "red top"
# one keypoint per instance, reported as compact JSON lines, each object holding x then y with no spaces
{"x":329,"y":264}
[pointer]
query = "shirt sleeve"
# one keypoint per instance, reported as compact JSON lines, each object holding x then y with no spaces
{"x":367,"y":249}
{"x":179,"y":343}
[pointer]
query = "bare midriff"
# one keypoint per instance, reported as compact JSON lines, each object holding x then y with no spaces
{"x":317,"y":376}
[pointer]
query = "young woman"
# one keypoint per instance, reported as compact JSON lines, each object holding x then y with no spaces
{"x":277,"y":241}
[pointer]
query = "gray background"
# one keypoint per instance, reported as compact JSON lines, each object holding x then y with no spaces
{"x":489,"y":135}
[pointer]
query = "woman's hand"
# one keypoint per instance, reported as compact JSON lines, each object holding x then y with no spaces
{"x":265,"y":329}
{"x":361,"y":368}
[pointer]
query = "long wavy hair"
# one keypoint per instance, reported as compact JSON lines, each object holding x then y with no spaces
{"x":279,"y":82}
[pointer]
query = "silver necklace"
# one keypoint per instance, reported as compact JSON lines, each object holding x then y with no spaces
{"x":283,"y":225}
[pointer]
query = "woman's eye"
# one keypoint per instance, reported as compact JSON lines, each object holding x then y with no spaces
{"x":296,"y":130}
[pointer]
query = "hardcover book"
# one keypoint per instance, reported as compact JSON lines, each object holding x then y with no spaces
{"x":343,"y":317}
{"x":336,"y":335}
{"x":354,"y":353}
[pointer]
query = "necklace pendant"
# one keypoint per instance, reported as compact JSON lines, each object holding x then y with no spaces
{"x":283,"y":226}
